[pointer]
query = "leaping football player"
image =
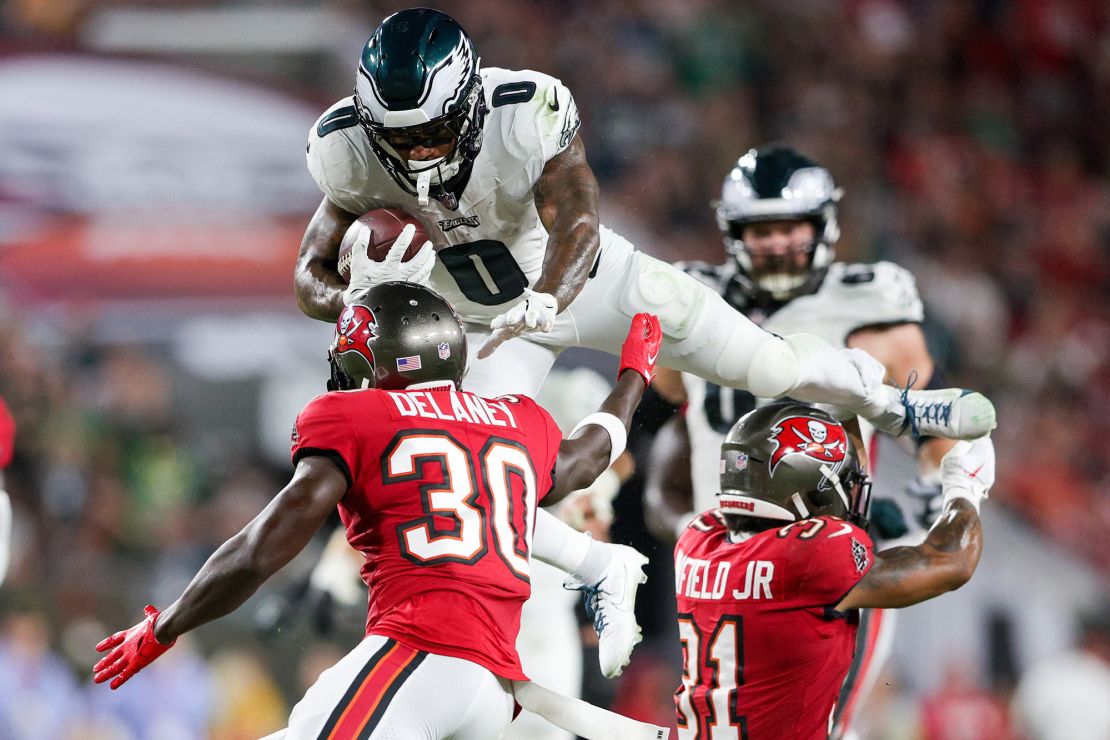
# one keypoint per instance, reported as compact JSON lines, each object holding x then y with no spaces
{"x":490,"y":160}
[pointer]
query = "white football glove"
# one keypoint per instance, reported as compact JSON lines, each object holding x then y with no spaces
{"x":366,"y":273}
{"x":967,"y":471}
{"x":535,"y":313}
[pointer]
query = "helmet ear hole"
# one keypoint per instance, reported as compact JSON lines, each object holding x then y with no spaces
{"x":819,"y":500}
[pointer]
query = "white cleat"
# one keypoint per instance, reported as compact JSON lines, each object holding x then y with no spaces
{"x":611,"y":603}
{"x":952,"y":413}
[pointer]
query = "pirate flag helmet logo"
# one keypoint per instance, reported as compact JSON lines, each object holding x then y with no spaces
{"x":790,"y":461}
{"x":821,"y":439}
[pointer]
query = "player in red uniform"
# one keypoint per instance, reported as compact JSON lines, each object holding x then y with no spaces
{"x":438,"y":489}
{"x":769,"y":585}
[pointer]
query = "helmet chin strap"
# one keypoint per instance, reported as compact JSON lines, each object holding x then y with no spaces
{"x":423,"y":184}
{"x":426,"y":169}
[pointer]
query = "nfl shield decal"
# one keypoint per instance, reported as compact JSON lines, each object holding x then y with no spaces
{"x":444,"y":350}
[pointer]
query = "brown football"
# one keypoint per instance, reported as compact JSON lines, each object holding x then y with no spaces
{"x":385,"y":226}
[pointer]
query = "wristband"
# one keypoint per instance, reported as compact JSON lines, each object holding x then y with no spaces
{"x":618,"y":437}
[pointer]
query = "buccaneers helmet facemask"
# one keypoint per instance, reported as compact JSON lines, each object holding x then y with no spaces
{"x":776,"y":183}
{"x":788,"y":461}
{"x":395,"y":335}
{"x":418,"y":83}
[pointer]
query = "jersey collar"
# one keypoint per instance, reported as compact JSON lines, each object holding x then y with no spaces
{"x":432,"y":385}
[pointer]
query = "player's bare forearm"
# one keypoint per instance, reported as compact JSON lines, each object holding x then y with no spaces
{"x":567,"y":200}
{"x":582,"y":459}
{"x":902,"y":576}
{"x":263,"y":547}
{"x":316,"y":278}
{"x":668,"y":490}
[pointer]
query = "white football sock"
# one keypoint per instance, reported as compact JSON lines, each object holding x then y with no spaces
{"x":557,"y":543}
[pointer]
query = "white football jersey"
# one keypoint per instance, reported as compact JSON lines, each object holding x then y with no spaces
{"x":489,"y":241}
{"x":851,"y":297}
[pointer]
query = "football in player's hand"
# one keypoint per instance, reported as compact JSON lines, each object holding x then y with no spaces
{"x":383,"y":225}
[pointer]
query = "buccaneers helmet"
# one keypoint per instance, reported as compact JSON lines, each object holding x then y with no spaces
{"x":776,"y":183}
{"x":790,"y":461}
{"x":418,"y":82}
{"x":394,"y":335}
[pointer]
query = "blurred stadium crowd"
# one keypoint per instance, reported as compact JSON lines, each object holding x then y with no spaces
{"x":970,"y":140}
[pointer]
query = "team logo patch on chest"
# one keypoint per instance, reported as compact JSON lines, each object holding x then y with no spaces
{"x":449,"y":224}
{"x":859,"y":554}
{"x":802,"y":435}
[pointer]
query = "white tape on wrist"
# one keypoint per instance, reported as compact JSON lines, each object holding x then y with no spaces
{"x":618,"y":437}
{"x":581,"y":718}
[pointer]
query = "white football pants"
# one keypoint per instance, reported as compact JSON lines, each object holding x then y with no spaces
{"x":383,"y":690}
{"x":550,"y":648}
{"x":702,"y":334}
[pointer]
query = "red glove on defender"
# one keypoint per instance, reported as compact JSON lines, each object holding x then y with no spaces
{"x":641,"y":346}
{"x":134,"y":650}
{"x":7,"y":435}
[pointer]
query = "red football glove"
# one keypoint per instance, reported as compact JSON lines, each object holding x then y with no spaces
{"x":7,"y":435}
{"x":641,"y":346}
{"x":132,"y":651}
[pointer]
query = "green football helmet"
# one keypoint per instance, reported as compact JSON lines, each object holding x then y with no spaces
{"x":789,"y":461}
{"x":418,"y":82}
{"x":395,"y":335}
{"x":776,"y":183}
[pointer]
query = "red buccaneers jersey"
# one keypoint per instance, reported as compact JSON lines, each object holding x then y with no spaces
{"x":442,"y":504}
{"x":765,"y":652}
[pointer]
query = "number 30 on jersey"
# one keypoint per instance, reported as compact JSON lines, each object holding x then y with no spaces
{"x":453,"y":528}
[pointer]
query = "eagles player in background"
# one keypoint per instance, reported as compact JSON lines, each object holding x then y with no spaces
{"x":491,"y":162}
{"x":769,"y":582}
{"x":778,"y":217}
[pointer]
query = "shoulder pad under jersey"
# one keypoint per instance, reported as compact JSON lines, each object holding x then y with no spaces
{"x":340,"y":159}
{"x":881,"y":292}
{"x":534,"y":114}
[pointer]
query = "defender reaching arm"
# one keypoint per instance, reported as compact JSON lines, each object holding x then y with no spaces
{"x":902,"y":576}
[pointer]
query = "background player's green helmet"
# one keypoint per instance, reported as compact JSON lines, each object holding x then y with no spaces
{"x":777,"y":183}
{"x":790,"y":461}
{"x":395,"y":335}
{"x":418,"y":81}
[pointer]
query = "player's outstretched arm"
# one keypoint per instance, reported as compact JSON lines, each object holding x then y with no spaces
{"x":234,"y":572}
{"x":316,"y":278}
{"x":902,"y":576}
{"x":566,"y":197}
{"x":599,"y":438}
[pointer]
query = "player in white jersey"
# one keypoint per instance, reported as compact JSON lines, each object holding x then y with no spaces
{"x":490,"y":161}
{"x":783,"y":277}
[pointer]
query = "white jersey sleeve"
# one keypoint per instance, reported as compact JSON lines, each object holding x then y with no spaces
{"x":339,"y":160}
{"x":880,"y":293}
{"x":852,"y":297}
{"x":540,"y":126}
